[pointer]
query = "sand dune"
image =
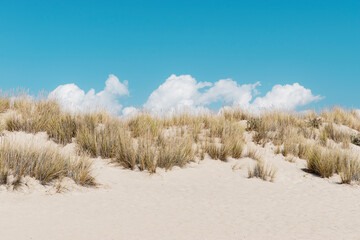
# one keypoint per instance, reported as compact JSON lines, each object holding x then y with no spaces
{"x":208,"y":200}
{"x":205,"y":199}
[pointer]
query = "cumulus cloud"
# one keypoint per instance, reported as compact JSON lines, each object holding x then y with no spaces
{"x":72,"y":98}
{"x":130,"y":111}
{"x":183,"y":93}
{"x":177,"y":92}
{"x":285,"y":97}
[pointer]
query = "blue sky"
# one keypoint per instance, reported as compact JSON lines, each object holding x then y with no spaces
{"x":45,"y":44}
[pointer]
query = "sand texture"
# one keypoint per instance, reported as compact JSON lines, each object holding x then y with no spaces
{"x":206,"y":200}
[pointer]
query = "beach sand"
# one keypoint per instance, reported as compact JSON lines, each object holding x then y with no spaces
{"x":206,"y":200}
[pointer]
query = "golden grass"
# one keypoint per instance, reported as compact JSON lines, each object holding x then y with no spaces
{"x":42,"y":116}
{"x":235,"y":114}
{"x":217,"y":151}
{"x":145,"y":155}
{"x":341,"y":116}
{"x":175,"y":152}
{"x":349,"y":169}
{"x":144,"y":124}
{"x":322,"y":162}
{"x":44,"y":162}
{"x":337,"y":135}
{"x":262,"y":171}
{"x":107,"y":140}
{"x":147,"y":142}
{"x":253,"y":153}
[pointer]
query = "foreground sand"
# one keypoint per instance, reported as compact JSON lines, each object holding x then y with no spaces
{"x":209,"y":200}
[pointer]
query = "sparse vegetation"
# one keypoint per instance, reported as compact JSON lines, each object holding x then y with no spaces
{"x":349,"y":170}
{"x":262,"y":171}
{"x":253,"y":153}
{"x":42,"y":161}
{"x":148,"y":142}
{"x":175,"y":152}
{"x":322,"y":161}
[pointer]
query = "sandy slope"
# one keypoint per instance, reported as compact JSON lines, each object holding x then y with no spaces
{"x":203,"y":201}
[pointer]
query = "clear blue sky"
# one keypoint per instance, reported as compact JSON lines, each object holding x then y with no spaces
{"x":315,"y":43}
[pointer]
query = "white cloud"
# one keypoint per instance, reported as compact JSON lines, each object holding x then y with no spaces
{"x":184,"y":93}
{"x":228,"y":91}
{"x":72,"y":98}
{"x":179,"y":93}
{"x":285,"y":97}
{"x":130,"y":111}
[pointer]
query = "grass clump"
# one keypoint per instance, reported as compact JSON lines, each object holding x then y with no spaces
{"x":145,"y":155}
{"x":109,"y":140}
{"x":322,"y":162}
{"x":42,"y":161}
{"x":236,"y":147}
{"x":218,"y":151}
{"x":341,"y":116}
{"x":338,"y":136}
{"x":62,"y":129}
{"x":349,"y":170}
{"x":42,"y":116}
{"x":232,"y":141}
{"x":175,"y":152}
{"x":262,"y":171}
{"x":325,"y":162}
{"x":143,"y":125}
{"x":253,"y":153}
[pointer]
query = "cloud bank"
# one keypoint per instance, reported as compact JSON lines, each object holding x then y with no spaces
{"x":74,"y":99}
{"x":179,"y":93}
{"x":183,"y":92}
{"x":285,"y":97}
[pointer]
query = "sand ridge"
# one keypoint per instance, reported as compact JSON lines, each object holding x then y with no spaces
{"x":208,"y":200}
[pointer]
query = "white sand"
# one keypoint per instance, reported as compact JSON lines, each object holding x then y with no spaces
{"x":202,"y":201}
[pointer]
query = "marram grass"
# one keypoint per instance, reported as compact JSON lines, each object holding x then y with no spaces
{"x":43,"y":161}
{"x":146,"y":142}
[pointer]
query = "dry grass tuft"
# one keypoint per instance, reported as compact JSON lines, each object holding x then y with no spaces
{"x":44,"y":162}
{"x":322,"y":161}
{"x":175,"y":152}
{"x":262,"y":171}
{"x":218,"y":151}
{"x":109,"y":140}
{"x":340,"y":116}
{"x":146,"y":142}
{"x":42,"y":116}
{"x":349,"y":169}
{"x":145,"y":125}
{"x":338,"y":136}
{"x":253,"y":153}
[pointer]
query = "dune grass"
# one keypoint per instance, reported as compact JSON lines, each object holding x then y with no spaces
{"x":42,"y":116}
{"x":146,"y":142}
{"x":44,"y":162}
{"x":322,"y":162}
{"x":349,"y":169}
{"x":326,"y":162}
{"x":262,"y":171}
{"x":253,"y":153}
{"x":175,"y":152}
